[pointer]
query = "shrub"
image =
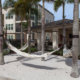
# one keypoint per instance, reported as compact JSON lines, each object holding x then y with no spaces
{"x":6,"y":51}
{"x":60,"y":52}
{"x":4,"y":45}
{"x":16,"y":43}
{"x":33,"y":49}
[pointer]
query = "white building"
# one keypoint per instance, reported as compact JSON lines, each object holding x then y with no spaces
{"x":12,"y":22}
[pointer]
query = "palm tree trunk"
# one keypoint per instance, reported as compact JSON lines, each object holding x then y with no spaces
{"x":21,"y":35}
{"x":1,"y":37}
{"x":64,"y":29}
{"x":29,"y":33}
{"x":43,"y":29}
{"x":75,"y":48}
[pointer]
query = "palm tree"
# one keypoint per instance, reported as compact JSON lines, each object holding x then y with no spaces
{"x":43,"y":26}
{"x":43,"y":23}
{"x":18,"y":8}
{"x":75,"y":48}
{"x":57,"y":4}
{"x":31,"y":10}
{"x":1,"y":37}
{"x":24,"y":9}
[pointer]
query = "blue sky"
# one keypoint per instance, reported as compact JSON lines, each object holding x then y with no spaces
{"x":58,"y":14}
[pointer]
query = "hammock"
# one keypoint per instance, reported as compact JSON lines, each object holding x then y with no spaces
{"x":26,"y":54}
{"x":23,"y":53}
{"x":24,"y":47}
{"x":67,"y":52}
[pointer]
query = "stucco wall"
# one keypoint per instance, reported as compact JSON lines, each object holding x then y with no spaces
{"x":9,"y":21}
{"x":49,"y":17}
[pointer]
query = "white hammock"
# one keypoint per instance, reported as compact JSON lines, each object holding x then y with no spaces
{"x":24,"y":47}
{"x":67,"y":52}
{"x":28,"y":55}
{"x":23,"y":53}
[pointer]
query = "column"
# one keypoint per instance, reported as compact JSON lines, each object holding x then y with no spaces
{"x":39,"y":41}
{"x":55,"y":40}
{"x":79,"y":42}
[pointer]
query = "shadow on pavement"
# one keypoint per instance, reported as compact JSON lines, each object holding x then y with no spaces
{"x":52,"y":58}
{"x":20,"y":59}
{"x":4,"y":78}
{"x":68,"y":62}
{"x":38,"y":66}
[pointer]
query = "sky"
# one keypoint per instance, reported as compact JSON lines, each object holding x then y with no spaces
{"x":58,"y":14}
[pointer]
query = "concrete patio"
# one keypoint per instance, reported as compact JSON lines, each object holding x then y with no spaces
{"x":20,"y":68}
{"x":5,"y":78}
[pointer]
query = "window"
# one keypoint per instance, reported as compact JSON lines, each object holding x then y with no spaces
{"x":6,"y":16}
{"x":32,"y":17}
{"x":32,"y":23}
{"x":47,"y":21}
{"x":8,"y":36}
{"x":6,"y":26}
{"x":47,"y":36}
{"x":9,"y":16}
{"x":9,"y":26}
{"x":11,"y":37}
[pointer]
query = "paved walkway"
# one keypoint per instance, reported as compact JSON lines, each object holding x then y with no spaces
{"x":20,"y":68}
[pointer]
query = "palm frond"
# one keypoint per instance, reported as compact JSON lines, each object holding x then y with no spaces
{"x":57,"y":4}
{"x":8,"y":3}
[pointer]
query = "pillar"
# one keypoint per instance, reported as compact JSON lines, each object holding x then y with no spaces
{"x":39,"y":41}
{"x":55,"y":40}
{"x":79,"y":42}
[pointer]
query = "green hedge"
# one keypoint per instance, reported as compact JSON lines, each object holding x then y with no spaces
{"x":60,"y":52}
{"x":33,"y":49}
{"x":6,"y":51}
